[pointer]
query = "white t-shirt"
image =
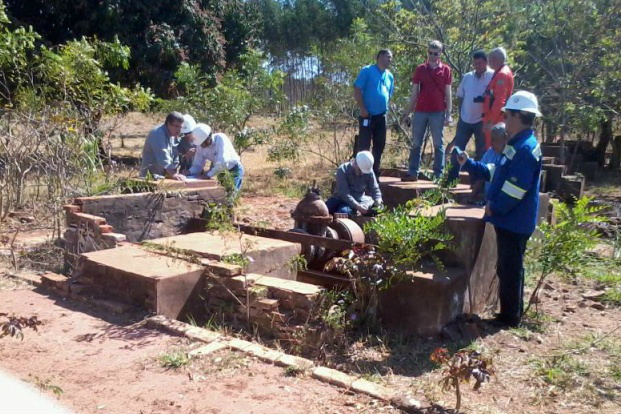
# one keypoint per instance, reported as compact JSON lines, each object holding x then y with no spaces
{"x":468,"y":89}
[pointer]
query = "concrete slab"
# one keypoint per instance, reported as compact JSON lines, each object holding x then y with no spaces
{"x":425,"y":302}
{"x":145,"y":216}
{"x":396,"y":192}
{"x":269,"y":256}
{"x":157,"y":283}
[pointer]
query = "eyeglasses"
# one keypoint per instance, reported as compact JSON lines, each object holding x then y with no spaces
{"x":432,"y":53}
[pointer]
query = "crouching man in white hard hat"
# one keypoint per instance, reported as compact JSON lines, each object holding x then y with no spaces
{"x":356,"y":189}
{"x":186,"y":148}
{"x":218,"y":149}
{"x":512,"y":200}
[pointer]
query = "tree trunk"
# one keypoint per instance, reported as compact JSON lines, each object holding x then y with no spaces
{"x":615,"y":161}
{"x":605,"y":137}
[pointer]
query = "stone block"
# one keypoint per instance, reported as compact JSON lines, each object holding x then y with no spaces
{"x":268,"y":256}
{"x":106,"y":228}
{"x":295,"y":362}
{"x":71,"y":208}
{"x":263,"y":353}
{"x":334,"y":377}
{"x":396,"y":192}
{"x":425,"y":302}
{"x":554,"y":150}
{"x":58,"y":283}
{"x":114,"y":237}
{"x":157,"y":283}
{"x":207,"y":349}
{"x":222,"y":269}
{"x":553,"y":176}
{"x":571,"y":188}
{"x":588,"y":169}
{"x":201,"y":334}
{"x":144,"y":216}
{"x":371,"y":389}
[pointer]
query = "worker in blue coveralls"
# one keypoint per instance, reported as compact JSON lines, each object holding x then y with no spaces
{"x":512,"y":200}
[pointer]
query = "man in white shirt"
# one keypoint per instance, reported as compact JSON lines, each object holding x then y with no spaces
{"x":471,"y":91}
{"x":217,"y":148}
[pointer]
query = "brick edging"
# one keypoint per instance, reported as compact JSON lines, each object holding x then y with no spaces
{"x":323,"y":374}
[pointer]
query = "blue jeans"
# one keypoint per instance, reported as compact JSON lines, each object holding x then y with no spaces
{"x":435,"y":120}
{"x":238,"y":175}
{"x":463,"y":134}
{"x":337,"y":206}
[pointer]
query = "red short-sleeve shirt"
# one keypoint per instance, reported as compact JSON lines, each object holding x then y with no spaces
{"x":432,"y":87}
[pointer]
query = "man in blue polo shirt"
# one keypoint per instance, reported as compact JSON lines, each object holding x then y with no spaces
{"x":372,"y":91}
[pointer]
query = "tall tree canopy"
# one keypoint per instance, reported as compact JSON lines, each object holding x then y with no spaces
{"x":160,"y":33}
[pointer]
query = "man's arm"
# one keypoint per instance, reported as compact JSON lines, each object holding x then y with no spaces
{"x":198,"y":163}
{"x":342,"y":190}
{"x":448,"y":117}
{"x":477,"y":169}
{"x":358,"y":97}
{"x":218,"y":164}
{"x":519,"y":181}
{"x":500,"y":96}
{"x":163,"y":156}
{"x":412,"y":103}
{"x":374,"y":190}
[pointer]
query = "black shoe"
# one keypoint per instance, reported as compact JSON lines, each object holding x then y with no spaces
{"x":506,"y":321}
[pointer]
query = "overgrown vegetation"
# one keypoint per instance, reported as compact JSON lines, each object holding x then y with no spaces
{"x":561,"y":247}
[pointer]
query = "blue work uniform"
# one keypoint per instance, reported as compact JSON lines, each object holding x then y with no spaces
{"x":513,"y":198}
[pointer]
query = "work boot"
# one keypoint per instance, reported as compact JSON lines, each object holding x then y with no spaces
{"x":409,"y":178}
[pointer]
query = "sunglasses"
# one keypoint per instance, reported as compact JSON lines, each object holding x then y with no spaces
{"x":432,"y":53}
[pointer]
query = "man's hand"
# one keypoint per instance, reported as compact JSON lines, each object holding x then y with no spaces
{"x":449,"y":148}
{"x":448,"y":119}
{"x":406,"y":120}
{"x":462,"y":158}
{"x":362,"y":210}
{"x":364,"y":113}
{"x":488,"y":210}
{"x":190,"y":154}
{"x":179,"y":177}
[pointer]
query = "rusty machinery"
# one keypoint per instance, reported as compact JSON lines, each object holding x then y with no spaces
{"x":311,"y":217}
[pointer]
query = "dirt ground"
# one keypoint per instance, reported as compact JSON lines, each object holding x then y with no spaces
{"x":567,"y":361}
{"x":103,"y":364}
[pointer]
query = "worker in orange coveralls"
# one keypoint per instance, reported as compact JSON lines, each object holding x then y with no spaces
{"x":498,"y":91}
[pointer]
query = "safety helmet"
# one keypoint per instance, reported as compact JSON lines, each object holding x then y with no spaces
{"x":201,"y":133}
{"x":523,"y":101}
{"x":188,"y":124}
{"x":364,"y":161}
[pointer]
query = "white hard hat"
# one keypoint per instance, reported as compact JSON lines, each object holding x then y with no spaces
{"x":523,"y":101}
{"x":200,"y":133}
{"x":364,"y":161}
{"x":188,"y":124}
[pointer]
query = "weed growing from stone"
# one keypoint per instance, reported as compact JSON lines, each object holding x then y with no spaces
{"x":174,"y":360}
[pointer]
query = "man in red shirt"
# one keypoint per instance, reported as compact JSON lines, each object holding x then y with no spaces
{"x":431,"y":102}
{"x":498,"y":91}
